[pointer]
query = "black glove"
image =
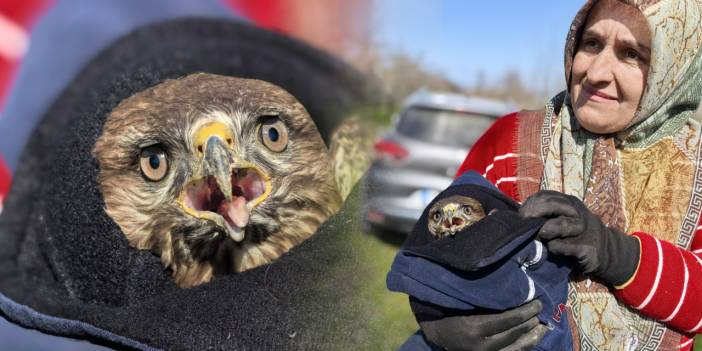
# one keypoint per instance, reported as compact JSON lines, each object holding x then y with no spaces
{"x":515,"y":329}
{"x":574,"y":231}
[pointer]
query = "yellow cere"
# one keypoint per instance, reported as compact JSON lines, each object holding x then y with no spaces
{"x":211,"y":129}
{"x":451,"y":207}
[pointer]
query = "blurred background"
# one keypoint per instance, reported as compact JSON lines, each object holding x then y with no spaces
{"x":448,"y":66}
{"x":509,"y":49}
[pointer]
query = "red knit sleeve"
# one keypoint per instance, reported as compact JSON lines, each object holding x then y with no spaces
{"x":494,"y":155}
{"x":667,"y":284}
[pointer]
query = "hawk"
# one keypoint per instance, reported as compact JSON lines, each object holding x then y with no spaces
{"x":452,"y":214}
{"x":217,"y":174}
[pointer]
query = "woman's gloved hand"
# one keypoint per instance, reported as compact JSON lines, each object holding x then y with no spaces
{"x":515,"y":329}
{"x":572,"y":230}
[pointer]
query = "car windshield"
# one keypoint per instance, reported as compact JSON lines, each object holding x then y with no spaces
{"x":450,"y":128}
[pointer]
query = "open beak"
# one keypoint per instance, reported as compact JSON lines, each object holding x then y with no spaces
{"x":453,"y":221}
{"x":227,"y":190}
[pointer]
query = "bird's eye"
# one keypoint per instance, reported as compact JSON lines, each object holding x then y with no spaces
{"x":436,"y":216}
{"x":153,"y":163}
{"x":467,"y":209}
{"x":274,"y":134}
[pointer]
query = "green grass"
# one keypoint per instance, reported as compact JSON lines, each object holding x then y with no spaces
{"x":391,"y":322}
{"x":698,"y":343}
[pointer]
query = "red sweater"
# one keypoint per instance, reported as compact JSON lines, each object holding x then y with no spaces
{"x":668,"y":283}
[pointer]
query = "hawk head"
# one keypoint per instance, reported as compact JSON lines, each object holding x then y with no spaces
{"x":215,"y":174}
{"x":452,"y":214}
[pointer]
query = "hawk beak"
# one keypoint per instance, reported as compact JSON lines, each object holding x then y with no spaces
{"x":217,"y":162}
{"x":226,"y":190}
{"x":448,"y":221}
{"x":213,"y":141}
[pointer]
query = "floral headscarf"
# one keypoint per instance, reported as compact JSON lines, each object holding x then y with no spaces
{"x":671,"y":96}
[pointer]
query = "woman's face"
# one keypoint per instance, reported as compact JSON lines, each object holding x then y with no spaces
{"x":610,"y":67}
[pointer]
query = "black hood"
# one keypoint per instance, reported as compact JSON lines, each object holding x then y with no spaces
{"x":483,"y":243}
{"x":67,"y":269}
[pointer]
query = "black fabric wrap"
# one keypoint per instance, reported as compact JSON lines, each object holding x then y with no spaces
{"x":481,"y":244}
{"x":62,"y":256}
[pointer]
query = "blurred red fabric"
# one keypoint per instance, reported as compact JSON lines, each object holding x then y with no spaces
{"x":339,"y":27}
{"x":15,"y":14}
{"x":16,"y":19}
{"x":268,"y":14}
{"x":4,"y":180}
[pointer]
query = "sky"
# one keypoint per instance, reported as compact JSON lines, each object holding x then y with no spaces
{"x":460,"y":38}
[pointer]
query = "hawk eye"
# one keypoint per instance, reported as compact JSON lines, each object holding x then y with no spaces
{"x":467,"y":209}
{"x":436,"y":216}
{"x":274,"y":134}
{"x":153,"y":163}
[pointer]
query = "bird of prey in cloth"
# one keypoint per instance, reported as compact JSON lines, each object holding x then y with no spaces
{"x":218,"y":174}
{"x":453,"y":214}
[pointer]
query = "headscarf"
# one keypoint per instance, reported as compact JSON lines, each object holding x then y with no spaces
{"x":603,"y":170}
{"x":671,"y":96}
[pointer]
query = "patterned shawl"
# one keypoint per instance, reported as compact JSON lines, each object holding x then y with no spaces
{"x":619,"y":177}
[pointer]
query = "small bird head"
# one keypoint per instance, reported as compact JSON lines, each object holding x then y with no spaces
{"x":453,"y":214}
{"x":215,"y":174}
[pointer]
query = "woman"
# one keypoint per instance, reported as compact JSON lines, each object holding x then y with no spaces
{"x":615,"y":163}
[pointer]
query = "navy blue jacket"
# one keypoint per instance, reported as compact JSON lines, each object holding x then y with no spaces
{"x":494,"y":264}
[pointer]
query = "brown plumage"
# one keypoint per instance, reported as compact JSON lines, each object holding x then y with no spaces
{"x":215,"y":174}
{"x":453,"y":214}
{"x":350,"y":148}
